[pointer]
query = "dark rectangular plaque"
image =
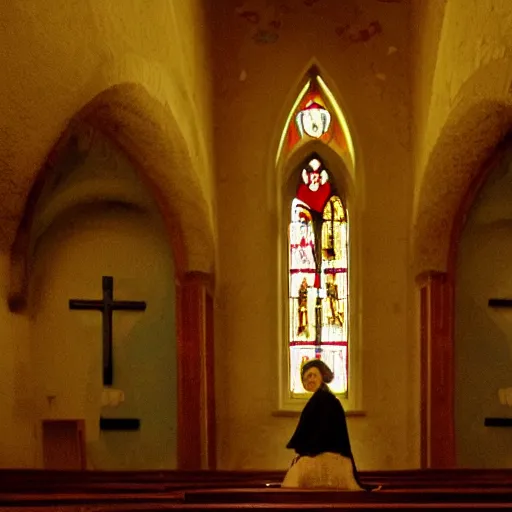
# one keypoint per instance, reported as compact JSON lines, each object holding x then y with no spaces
{"x":119,"y":424}
{"x":498,"y":422}
{"x":500,"y":303}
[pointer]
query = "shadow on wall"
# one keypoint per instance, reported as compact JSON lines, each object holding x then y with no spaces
{"x":483,"y":335}
{"x":145,"y":370}
{"x":483,"y":366}
{"x":96,"y":219}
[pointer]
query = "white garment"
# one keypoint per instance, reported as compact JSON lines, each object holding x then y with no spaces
{"x":328,"y":469}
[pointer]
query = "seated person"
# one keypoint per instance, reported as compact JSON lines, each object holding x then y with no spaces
{"x":321,"y":438}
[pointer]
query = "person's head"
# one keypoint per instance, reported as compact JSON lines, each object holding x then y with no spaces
{"x":314,"y":374}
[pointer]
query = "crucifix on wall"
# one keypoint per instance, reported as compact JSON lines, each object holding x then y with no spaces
{"x":106,"y":305}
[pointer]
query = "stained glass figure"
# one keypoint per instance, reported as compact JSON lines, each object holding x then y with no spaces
{"x":315,"y":189}
{"x":314,"y":120}
{"x":315,"y":115}
{"x":303,"y":327}
{"x":318,"y":277}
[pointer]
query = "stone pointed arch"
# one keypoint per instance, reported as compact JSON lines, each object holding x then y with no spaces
{"x":172,"y":93}
{"x":468,"y":139}
{"x":314,"y":79}
{"x":456,"y":168}
{"x":147,"y":132}
{"x":149,"y":135}
{"x":481,"y":117}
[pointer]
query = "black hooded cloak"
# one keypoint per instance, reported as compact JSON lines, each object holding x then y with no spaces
{"x":323,"y":428}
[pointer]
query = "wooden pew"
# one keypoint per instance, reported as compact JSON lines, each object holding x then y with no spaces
{"x":159,"y":475}
{"x":145,"y":476}
{"x":300,"y":500}
{"x":409,"y":496}
{"x":294,"y":500}
{"x":439,"y":478}
{"x":84,"y":491}
{"x":40,"y":481}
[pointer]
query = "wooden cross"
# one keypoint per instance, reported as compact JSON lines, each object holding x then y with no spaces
{"x":106,"y":306}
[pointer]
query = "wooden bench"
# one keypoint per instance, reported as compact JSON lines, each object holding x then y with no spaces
{"x":87,"y":491}
{"x":297,"y":500}
{"x":424,"y":478}
{"x":333,"y":496}
{"x":281,"y":500}
{"x":40,"y":481}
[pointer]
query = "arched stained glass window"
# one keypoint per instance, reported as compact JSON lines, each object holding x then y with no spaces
{"x":318,"y":277}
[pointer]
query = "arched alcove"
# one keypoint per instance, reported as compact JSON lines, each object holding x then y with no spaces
{"x":482,"y":332}
{"x":456,"y":168}
{"x":167,"y":190}
{"x":94,"y":218}
{"x":150,"y":137}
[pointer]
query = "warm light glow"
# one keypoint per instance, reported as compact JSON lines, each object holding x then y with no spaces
{"x":341,"y":118}
{"x":314,"y":120}
{"x":288,"y":119}
{"x":318,"y":298}
{"x":318,"y":279}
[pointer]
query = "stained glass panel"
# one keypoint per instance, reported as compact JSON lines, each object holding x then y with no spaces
{"x":315,"y":115}
{"x":318,"y":278}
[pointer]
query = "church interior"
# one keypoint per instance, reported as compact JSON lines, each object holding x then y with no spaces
{"x":167,"y":141}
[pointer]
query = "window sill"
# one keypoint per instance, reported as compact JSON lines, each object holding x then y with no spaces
{"x":290,"y":413}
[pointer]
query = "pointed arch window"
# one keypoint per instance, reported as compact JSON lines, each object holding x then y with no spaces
{"x":316,"y":116}
{"x":317,"y":318}
{"x":318,"y":277}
